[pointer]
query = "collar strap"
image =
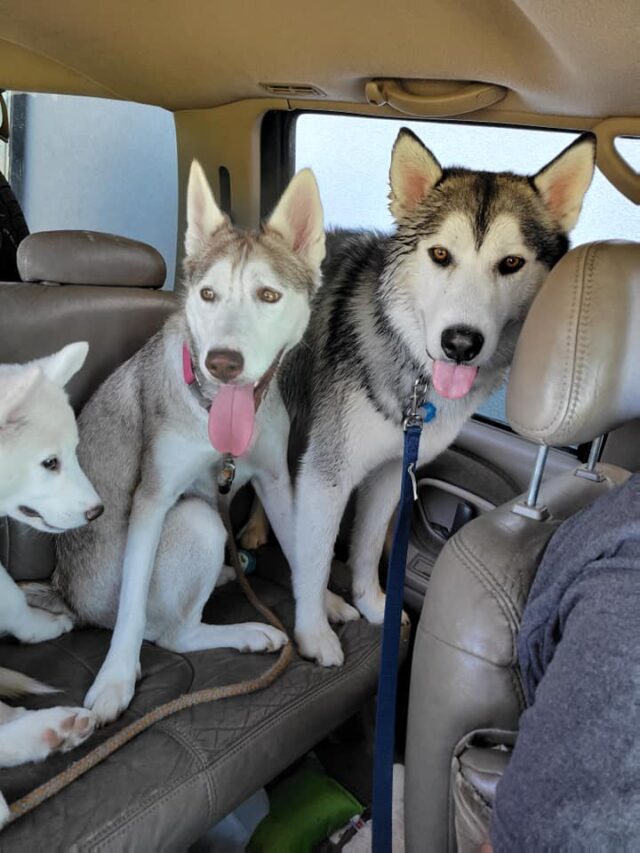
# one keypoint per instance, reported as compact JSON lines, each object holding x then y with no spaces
{"x":187,"y":366}
{"x":191,"y":380}
{"x":263,"y":383}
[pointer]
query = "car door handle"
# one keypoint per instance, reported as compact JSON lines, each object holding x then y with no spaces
{"x":468,"y":507}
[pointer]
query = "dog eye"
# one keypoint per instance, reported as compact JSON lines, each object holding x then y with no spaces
{"x":51,"y":464}
{"x":511,"y":264}
{"x":440,"y":256}
{"x":266,"y":294}
{"x":207,"y":294}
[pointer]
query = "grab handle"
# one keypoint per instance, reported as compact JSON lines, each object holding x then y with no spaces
{"x":610,"y":162}
{"x":468,"y":98}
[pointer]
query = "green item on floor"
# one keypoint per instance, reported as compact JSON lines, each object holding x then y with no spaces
{"x":305,"y":809}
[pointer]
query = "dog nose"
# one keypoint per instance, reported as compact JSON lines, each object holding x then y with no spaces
{"x":224,"y":364}
{"x":95,"y":512}
{"x":461,"y":343}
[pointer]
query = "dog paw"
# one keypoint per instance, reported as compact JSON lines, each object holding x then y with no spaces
{"x":338,"y":610}
{"x":372,"y":604}
{"x":252,"y":539}
{"x":257,"y":637}
{"x":321,"y":645}
{"x":5,"y":814}
{"x":255,"y":533}
{"x":109,"y":696}
{"x":39,"y":625}
{"x":66,"y":728}
{"x":37,"y":734}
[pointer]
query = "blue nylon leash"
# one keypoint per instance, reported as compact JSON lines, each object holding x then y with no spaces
{"x":388,"y":678}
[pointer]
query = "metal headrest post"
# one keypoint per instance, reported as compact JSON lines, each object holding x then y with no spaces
{"x":530,"y":508}
{"x":589,"y":471}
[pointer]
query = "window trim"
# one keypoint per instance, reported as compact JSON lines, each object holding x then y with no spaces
{"x":277,"y":156}
{"x":18,"y":108}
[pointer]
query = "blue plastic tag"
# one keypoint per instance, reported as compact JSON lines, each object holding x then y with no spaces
{"x":247,"y":561}
{"x":430,"y":412}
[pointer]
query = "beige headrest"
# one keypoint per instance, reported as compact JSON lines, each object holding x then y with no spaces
{"x":90,"y":257}
{"x":576,"y":370}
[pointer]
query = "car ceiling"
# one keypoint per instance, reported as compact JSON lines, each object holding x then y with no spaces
{"x":568,"y":58}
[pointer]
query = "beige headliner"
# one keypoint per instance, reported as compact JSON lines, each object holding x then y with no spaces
{"x":564,"y":58}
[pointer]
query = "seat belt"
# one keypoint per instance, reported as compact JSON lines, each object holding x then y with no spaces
{"x":418,"y":414}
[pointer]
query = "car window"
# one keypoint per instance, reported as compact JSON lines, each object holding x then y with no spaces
{"x":350,"y":157}
{"x":95,"y":164}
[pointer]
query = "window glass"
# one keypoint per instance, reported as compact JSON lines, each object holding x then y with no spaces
{"x":350,"y":157}
{"x":96,"y":164}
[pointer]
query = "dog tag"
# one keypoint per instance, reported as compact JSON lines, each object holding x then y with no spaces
{"x":227,"y":474}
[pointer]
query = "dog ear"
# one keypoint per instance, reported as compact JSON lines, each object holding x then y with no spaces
{"x":563,"y":182}
{"x":299,"y":219}
{"x":14,"y":389}
{"x":413,"y":174}
{"x":204,"y":217}
{"x":64,"y":364}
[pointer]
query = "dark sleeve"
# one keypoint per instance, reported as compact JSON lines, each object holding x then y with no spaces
{"x":573,"y":781}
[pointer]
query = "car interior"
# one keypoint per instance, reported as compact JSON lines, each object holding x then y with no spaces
{"x":255,"y":92}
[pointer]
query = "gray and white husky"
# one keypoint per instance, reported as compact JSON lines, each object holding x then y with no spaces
{"x":442,"y":299}
{"x":147,"y":439}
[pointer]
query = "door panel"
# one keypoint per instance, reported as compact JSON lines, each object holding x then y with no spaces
{"x":486,"y":467}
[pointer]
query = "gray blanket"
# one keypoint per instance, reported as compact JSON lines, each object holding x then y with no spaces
{"x":573,"y":782}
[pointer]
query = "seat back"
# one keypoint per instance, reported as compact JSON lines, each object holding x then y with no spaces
{"x":465,"y":675}
{"x":577,"y":363}
{"x":37,"y":319}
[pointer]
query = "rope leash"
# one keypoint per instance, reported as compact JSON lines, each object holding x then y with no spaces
{"x":187,"y":700}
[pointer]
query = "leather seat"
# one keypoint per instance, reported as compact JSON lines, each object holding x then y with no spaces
{"x":165,"y":788}
{"x":575,"y":376}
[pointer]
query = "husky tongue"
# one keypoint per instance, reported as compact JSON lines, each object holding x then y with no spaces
{"x":231,"y":419}
{"x":453,"y":380}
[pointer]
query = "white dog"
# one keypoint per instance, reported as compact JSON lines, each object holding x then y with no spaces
{"x":42,"y":485}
